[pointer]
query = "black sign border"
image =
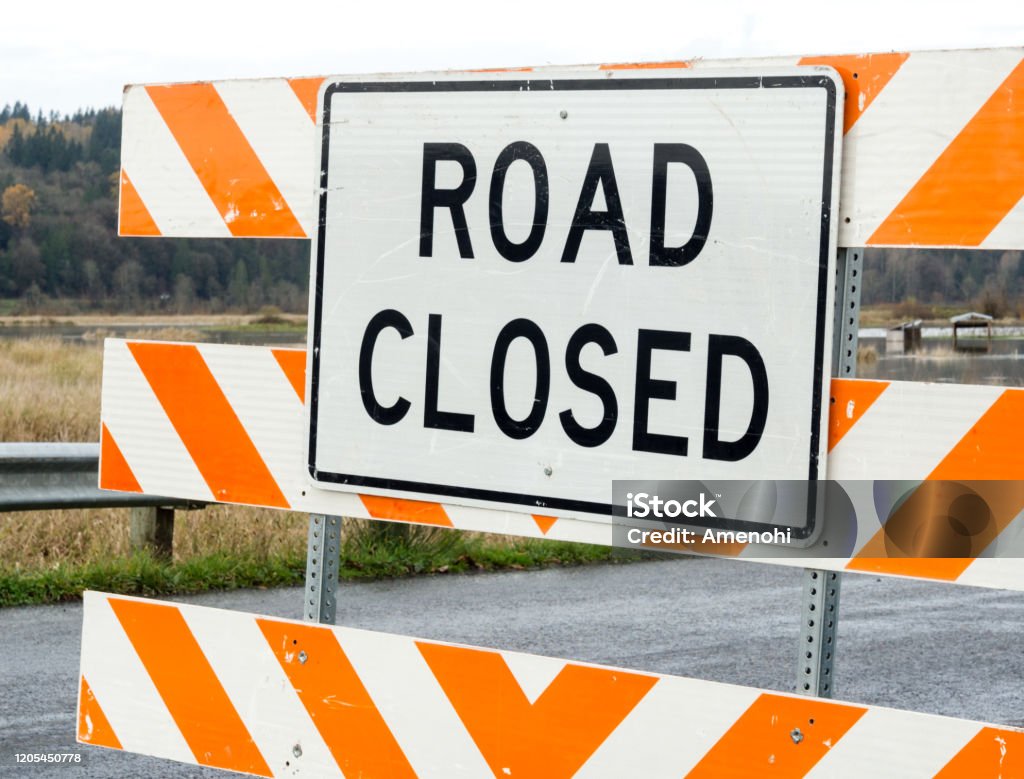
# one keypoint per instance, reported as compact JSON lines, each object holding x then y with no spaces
{"x":535,"y":502}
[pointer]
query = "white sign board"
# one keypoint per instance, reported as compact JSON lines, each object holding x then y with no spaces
{"x":524,"y":289}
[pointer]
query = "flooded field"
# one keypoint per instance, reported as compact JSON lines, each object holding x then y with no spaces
{"x":975,"y":360}
{"x":215,"y":332}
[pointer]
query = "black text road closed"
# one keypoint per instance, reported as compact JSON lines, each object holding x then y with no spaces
{"x":527,"y":289}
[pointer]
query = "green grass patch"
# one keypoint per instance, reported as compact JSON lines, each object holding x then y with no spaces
{"x":385,"y":549}
{"x":370,"y":550}
{"x":141,"y":574}
{"x":264,"y":325}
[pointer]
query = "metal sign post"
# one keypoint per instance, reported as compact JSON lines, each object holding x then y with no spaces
{"x":319,"y":599}
{"x":820,"y":609}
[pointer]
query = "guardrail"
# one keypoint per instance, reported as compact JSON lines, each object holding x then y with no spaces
{"x":40,"y":476}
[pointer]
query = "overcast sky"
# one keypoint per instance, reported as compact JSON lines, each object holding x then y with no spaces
{"x":62,"y":55}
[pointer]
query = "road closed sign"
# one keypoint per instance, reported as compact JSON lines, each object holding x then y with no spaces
{"x":526,"y":288}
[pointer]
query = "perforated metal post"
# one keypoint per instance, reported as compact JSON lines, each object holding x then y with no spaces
{"x":322,"y":551}
{"x":849,"y":275}
{"x":818,"y":635}
{"x":820,"y":609}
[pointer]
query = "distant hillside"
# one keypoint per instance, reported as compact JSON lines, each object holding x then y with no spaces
{"x":59,"y":250}
{"x":920,"y":280}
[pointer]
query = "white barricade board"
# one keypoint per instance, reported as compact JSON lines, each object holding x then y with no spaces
{"x":929,"y":149}
{"x":526,"y":288}
{"x":273,"y":697}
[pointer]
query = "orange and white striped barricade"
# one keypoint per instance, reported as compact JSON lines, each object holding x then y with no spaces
{"x":930,"y":153}
{"x":224,"y":423}
{"x":272,"y":697}
{"x":930,"y":157}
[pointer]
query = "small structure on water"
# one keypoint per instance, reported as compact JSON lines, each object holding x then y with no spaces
{"x":972,"y":320}
{"x":904,"y":338}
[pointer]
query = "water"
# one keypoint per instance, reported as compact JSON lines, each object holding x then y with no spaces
{"x":977,"y":360}
{"x":163,"y":331}
{"x":1002,"y":364}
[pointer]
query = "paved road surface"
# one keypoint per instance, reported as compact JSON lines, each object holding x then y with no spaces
{"x":935,"y":648}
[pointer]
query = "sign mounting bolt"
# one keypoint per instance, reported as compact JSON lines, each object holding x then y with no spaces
{"x":547,"y":470}
{"x":564,"y":114}
{"x":303,"y":657}
{"x":796,"y":735}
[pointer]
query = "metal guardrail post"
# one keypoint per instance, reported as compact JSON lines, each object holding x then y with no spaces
{"x":322,"y":553}
{"x":41,"y":476}
{"x":152,"y":529}
{"x":820,"y":594}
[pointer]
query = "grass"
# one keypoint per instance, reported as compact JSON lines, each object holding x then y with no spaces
{"x":140,"y":574}
{"x":932,"y":314}
{"x":384,"y":549}
{"x":269,"y":325}
{"x":208,"y":556}
{"x":867,"y":355}
{"x":50,"y":390}
{"x":42,"y":540}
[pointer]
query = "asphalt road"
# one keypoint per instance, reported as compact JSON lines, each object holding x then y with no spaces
{"x":941,"y":649}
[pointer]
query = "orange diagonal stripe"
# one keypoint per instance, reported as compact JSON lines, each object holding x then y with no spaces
{"x":989,"y":450}
{"x":762,"y":743}
{"x":307,"y":89}
{"x":552,"y":737}
{"x":645,"y":65}
{"x":293,"y":363}
{"x":850,"y":398}
{"x":864,"y":76}
{"x":115,"y":473}
{"x":418,"y":511}
{"x":502,"y":70}
{"x":943,"y":569}
{"x":207,"y":424}
{"x":93,"y":725}
{"x":544,"y":523}
{"x":992,"y":752}
{"x":973,"y":184}
{"x":188,"y":686}
{"x":221,"y":156}
{"x":133,"y":216}
{"x":337,"y":701}
{"x":926,"y":536}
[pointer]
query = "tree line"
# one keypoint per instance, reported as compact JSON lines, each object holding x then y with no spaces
{"x":988,"y":281}
{"x":59,"y":250}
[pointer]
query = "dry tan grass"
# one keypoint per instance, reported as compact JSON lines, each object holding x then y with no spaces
{"x":50,"y":391}
{"x":50,"y":387}
{"x":166,"y":320}
{"x":41,"y":539}
{"x":168,"y":333}
{"x":867,"y":355}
